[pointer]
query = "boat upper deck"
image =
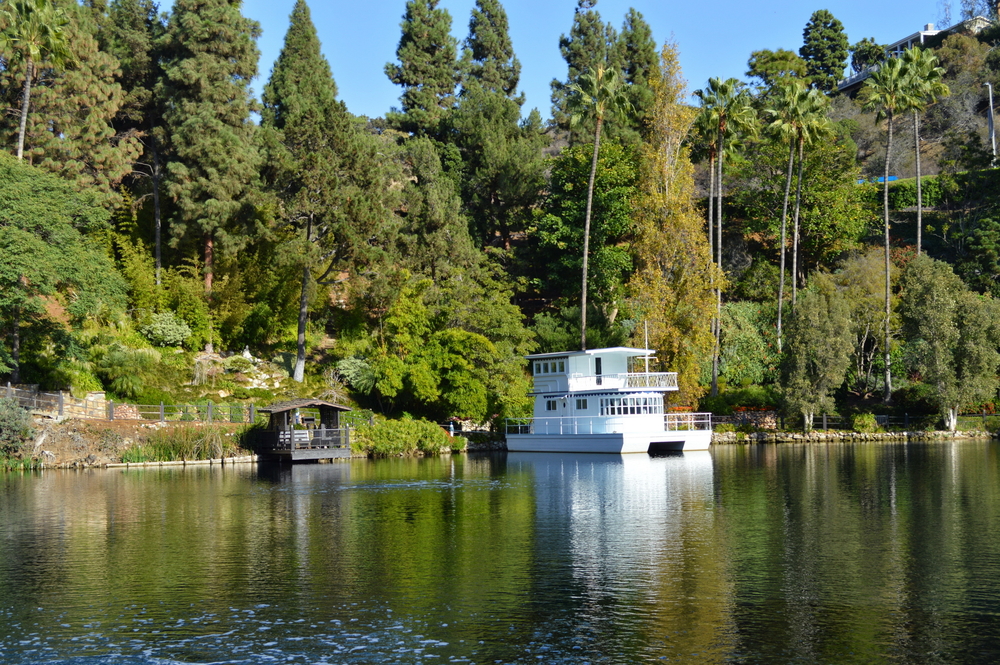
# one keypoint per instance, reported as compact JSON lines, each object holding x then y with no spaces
{"x":611,"y":369}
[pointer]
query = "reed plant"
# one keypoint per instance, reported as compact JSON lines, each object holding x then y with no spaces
{"x":185,"y":443}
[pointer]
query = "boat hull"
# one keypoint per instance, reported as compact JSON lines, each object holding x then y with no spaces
{"x":614,"y":443}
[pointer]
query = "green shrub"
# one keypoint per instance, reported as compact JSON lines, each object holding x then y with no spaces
{"x":725,"y":428}
{"x":165,"y":329}
{"x":15,"y":427}
{"x":754,"y":397}
{"x":400,"y":437}
{"x":261,"y":395}
{"x":865,"y":423}
{"x":237,"y":364}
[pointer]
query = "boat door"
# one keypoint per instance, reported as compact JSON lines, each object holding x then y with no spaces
{"x":597,"y":370}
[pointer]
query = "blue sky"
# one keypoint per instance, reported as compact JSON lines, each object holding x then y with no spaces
{"x":715,"y":37}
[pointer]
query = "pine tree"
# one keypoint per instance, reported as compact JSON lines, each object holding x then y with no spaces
{"x":670,"y":287}
{"x":209,"y":58}
{"x":489,"y":59}
{"x":590,"y":43}
{"x":131,"y":32}
{"x":427,"y":69}
{"x":824,"y":50}
{"x":70,"y":130}
{"x":325,"y":170}
{"x":503,"y":166}
{"x":641,"y":64}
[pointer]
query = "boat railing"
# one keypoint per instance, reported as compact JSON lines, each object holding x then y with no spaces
{"x":683,"y":422}
{"x":673,"y":422}
{"x":661,"y":380}
{"x":565,"y":425}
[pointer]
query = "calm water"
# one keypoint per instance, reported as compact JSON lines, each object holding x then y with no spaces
{"x":818,"y":554}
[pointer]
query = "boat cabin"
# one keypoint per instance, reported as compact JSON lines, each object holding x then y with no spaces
{"x":303,"y":429}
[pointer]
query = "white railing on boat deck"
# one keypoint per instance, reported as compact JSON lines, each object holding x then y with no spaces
{"x":682,"y":422}
{"x":672,"y":422}
{"x":666,"y":380}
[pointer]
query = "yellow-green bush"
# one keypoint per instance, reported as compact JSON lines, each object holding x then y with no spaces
{"x":401,"y":437}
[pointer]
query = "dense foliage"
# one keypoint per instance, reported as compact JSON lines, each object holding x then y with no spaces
{"x":154,"y":227}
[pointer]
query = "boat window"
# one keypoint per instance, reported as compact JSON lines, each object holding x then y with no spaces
{"x":581,"y":405}
{"x":562,"y":365}
{"x":550,"y":405}
{"x":538,"y":368}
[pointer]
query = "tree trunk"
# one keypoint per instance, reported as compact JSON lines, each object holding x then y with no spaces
{"x":718,"y":248}
{"x":156,"y":210}
{"x":920,"y":199}
{"x":711,"y":206}
{"x":784,"y":220}
{"x":795,"y":235}
{"x":951,"y":418}
{"x":300,"y":349}
{"x":15,"y":345}
{"x":29,"y":72}
{"x":888,"y":295}
{"x":300,"y":354}
{"x":209,"y":274}
{"x":807,"y":421}
{"x":586,"y":236}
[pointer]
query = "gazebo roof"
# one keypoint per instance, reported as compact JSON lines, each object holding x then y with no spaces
{"x":280,"y":407}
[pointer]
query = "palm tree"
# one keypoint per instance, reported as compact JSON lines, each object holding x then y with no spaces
{"x":603,"y":93}
{"x":887,"y":92}
{"x":32,"y":31}
{"x":812,"y":124}
{"x":922,"y":67}
{"x":725,"y":108}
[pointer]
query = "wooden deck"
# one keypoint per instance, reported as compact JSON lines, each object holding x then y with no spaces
{"x":303,"y":445}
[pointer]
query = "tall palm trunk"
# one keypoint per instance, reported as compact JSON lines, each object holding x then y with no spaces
{"x":795,"y":234}
{"x":718,"y":248}
{"x":28,"y":73}
{"x":920,"y":199}
{"x":885,"y":207}
{"x":711,"y":205}
{"x":586,"y":235}
{"x":784,"y":221}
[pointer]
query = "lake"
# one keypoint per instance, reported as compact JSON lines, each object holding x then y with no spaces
{"x":817,"y":553}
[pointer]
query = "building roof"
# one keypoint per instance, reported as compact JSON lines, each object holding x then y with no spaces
{"x":593,"y":352}
{"x":280,"y":407}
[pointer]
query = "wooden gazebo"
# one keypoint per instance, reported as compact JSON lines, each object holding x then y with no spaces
{"x":303,"y":429}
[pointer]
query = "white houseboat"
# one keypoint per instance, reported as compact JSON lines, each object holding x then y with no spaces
{"x":601,"y":401}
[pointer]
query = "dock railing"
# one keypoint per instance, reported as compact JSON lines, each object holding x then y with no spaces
{"x":685,"y":422}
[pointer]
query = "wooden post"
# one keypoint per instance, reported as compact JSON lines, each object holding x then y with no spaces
{"x":111,"y":410}
{"x":161,"y":412}
{"x":10,"y":391}
{"x":906,"y":422}
{"x":253,"y":414}
{"x":60,"y":404}
{"x":824,"y":422}
{"x":210,"y":403}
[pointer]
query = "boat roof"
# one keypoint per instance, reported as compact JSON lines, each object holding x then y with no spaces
{"x":592,"y":352}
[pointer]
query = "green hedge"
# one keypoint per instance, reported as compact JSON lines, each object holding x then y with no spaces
{"x":402,"y":437}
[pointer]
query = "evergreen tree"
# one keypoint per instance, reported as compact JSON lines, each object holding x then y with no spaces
{"x":865,"y":54}
{"x":489,"y":59}
{"x":434,"y":239}
{"x":775,"y":67}
{"x":824,"y":50}
{"x":427,"y":69}
{"x":209,"y":58}
{"x":325,"y":169}
{"x":503,"y":166}
{"x":71,"y":132}
{"x":591,"y":43}
{"x":131,"y":33}
{"x":641,"y":65}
